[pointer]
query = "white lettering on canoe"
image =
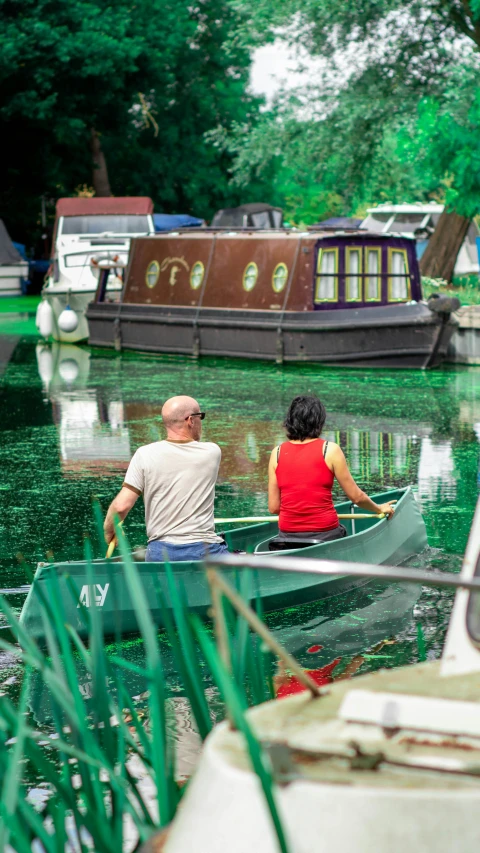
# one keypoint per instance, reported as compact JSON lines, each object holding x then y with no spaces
{"x":100,"y":595}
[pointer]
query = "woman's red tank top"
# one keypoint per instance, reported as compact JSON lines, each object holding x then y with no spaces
{"x":305,"y":482}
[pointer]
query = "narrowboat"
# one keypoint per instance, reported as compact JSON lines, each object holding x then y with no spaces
{"x":369,"y":538}
{"x":89,"y":234}
{"x":388,"y":761}
{"x":350,"y":298}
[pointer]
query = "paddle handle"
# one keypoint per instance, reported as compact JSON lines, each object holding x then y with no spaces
{"x":111,"y":547}
{"x":252,"y":519}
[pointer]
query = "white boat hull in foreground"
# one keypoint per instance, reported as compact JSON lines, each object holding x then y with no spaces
{"x":331,"y":806}
{"x":388,"y":762}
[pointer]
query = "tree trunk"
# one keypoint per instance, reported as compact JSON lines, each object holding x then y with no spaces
{"x":100,"y":181}
{"x":439,"y":258}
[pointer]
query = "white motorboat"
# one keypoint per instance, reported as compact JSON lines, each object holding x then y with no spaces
{"x":90,"y":233}
{"x":420,"y":220}
{"x":388,"y":762}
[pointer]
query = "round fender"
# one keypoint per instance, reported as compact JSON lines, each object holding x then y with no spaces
{"x":68,"y":320}
{"x":443,"y":304}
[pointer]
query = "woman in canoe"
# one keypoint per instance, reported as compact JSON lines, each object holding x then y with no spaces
{"x":301,"y":473}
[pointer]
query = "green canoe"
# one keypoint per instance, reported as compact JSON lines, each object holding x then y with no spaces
{"x":371,"y":541}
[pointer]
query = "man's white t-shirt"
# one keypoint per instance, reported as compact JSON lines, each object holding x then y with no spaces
{"x":177,"y":480}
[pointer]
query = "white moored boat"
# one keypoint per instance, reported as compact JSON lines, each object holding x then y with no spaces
{"x":387,"y":762}
{"x":90,"y":233}
{"x":13,"y":269}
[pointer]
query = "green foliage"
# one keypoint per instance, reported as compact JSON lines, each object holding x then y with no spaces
{"x":152,"y":78}
{"x":393,"y":116}
{"x":466,"y":288}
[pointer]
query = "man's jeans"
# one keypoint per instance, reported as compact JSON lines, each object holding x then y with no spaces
{"x":158,"y":551}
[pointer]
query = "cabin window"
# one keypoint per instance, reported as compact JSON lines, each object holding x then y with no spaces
{"x":373,"y":272}
{"x":196,"y":275}
{"x":152,"y":274}
{"x":398,"y":280}
{"x":353,"y":262}
{"x":250,"y":276}
{"x":279,"y":277}
{"x":327,"y":276}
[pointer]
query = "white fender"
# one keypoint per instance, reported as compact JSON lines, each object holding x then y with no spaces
{"x":45,"y":363}
{"x":68,"y":320}
{"x":68,"y":370}
{"x":44,"y":319}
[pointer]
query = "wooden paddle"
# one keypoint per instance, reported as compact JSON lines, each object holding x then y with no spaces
{"x":253,"y":519}
{"x":112,"y":545}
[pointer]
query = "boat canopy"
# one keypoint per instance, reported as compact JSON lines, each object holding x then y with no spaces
{"x":134,"y":205}
{"x":171,"y":221}
{"x":9,"y":255}
{"x":249,"y":216}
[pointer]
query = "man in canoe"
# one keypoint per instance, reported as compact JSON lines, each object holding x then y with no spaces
{"x":301,"y":474}
{"x":177,"y":479}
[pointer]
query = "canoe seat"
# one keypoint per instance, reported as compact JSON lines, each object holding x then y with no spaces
{"x":288,"y":544}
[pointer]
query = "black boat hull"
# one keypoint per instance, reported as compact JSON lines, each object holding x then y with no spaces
{"x":404,"y":335}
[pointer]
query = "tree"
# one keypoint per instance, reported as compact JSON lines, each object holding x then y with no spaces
{"x":391,"y":69}
{"x":79,"y":80}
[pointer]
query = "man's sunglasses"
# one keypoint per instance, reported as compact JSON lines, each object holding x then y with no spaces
{"x":200,"y":415}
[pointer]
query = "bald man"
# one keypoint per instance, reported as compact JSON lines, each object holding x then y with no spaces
{"x":177,"y":479}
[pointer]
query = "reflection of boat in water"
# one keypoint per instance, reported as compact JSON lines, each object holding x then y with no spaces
{"x":386,"y":762}
{"x":92,"y":433}
{"x":369,"y":539}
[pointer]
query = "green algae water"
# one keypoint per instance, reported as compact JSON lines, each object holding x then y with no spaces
{"x":72,"y":418}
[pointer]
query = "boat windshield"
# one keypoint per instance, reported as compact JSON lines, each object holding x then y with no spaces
{"x":113,"y":224}
{"x":473,"y":610}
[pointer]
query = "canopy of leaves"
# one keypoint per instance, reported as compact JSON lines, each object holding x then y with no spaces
{"x":392,"y":117}
{"x":151,"y":78}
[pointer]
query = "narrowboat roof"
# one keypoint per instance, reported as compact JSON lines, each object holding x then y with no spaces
{"x":268,"y":233}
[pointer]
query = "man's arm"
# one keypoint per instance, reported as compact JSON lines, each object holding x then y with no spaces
{"x":120,"y":506}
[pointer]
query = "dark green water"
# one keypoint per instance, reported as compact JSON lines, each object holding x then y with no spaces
{"x":71,"y":418}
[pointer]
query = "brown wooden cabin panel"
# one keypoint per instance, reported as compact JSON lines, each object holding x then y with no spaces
{"x":236,"y":258}
{"x":168,"y":264}
{"x":171,"y":271}
{"x":300,"y":297}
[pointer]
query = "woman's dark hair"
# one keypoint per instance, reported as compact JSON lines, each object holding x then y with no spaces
{"x":305,"y":417}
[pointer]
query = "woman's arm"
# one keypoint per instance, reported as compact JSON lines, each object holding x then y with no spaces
{"x":337,"y":463}
{"x":273,"y":490}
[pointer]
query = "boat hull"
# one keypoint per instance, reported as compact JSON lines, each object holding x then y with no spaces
{"x":59,"y":297}
{"x":324,"y":804}
{"x":405,"y":335}
{"x":11,"y":278}
{"x":464,"y":347}
{"x":374,"y":541}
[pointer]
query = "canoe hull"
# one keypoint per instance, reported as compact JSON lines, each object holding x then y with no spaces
{"x":378,"y":542}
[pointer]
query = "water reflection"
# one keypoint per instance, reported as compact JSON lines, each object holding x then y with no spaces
{"x":92,"y":432}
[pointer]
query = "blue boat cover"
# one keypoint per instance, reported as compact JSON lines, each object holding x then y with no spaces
{"x":168,"y":222}
{"x":339,"y":222}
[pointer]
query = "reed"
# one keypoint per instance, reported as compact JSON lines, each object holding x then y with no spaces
{"x":87,"y":759}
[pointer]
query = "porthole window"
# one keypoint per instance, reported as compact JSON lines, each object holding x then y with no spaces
{"x":196,"y":275}
{"x":279,"y":277}
{"x":152,"y":274}
{"x":250,"y":276}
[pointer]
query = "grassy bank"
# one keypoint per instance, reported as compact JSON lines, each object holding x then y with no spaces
{"x":466,"y":288}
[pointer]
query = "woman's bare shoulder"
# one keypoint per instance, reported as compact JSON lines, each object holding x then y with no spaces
{"x":334,"y":449}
